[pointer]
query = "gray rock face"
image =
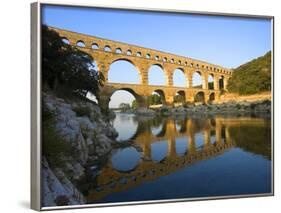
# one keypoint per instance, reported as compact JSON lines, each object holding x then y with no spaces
{"x":55,"y":188}
{"x":89,"y":135}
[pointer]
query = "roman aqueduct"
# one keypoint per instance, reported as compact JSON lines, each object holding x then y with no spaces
{"x":105,"y":52}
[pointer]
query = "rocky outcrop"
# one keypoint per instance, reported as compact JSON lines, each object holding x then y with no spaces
{"x":57,"y":189}
{"x":232,"y":107}
{"x":81,"y":124}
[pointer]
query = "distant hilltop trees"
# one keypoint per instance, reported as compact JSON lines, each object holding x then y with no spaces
{"x":252,"y":77}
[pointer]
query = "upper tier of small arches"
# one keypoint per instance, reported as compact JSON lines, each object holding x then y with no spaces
{"x":140,"y":52}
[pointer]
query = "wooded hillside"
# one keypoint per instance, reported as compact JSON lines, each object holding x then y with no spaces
{"x":252,"y":77}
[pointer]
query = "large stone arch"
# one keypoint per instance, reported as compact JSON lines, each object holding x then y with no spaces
{"x":163,"y":71}
{"x":107,"y":92}
{"x":130,"y":90}
{"x":181,"y":74}
{"x":124,"y":59}
{"x":116,"y":59}
{"x":180,"y":97}
{"x":197,"y":75}
{"x":138,"y":97}
{"x":199,"y":97}
{"x":162,"y":95}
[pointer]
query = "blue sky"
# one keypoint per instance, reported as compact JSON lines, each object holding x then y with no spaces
{"x":227,"y":41}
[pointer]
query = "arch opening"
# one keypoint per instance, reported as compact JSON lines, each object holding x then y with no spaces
{"x":65,"y":40}
{"x":95,"y":46}
{"x":211,"y":81}
{"x":179,"y":98}
{"x":156,"y":75}
{"x":179,"y":79}
{"x":122,"y":99}
{"x":197,"y":80}
{"x":138,"y":54}
{"x":156,"y":99}
{"x":129,"y":52}
{"x":120,"y":68}
{"x":199,"y":98}
{"x":118,"y":50}
{"x":80,"y":43}
{"x":221,"y":82}
{"x":107,"y":48}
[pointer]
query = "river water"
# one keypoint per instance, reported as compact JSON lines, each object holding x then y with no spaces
{"x":185,"y":157}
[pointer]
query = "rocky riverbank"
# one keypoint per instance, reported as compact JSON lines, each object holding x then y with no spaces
{"x":227,"y":108}
{"x":259,"y":107}
{"x":83,"y":135}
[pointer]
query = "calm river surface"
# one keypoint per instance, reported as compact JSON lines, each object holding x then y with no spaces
{"x":185,"y":157}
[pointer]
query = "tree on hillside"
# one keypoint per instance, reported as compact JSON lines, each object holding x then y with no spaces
{"x":66,"y":66}
{"x":252,"y":77}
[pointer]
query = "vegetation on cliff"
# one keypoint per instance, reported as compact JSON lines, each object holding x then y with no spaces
{"x":65,"y":66}
{"x":252,"y":77}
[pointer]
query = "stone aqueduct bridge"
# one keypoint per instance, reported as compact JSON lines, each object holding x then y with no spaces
{"x":105,"y":52}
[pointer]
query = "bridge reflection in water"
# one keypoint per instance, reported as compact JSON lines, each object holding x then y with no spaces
{"x":183,"y":142}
